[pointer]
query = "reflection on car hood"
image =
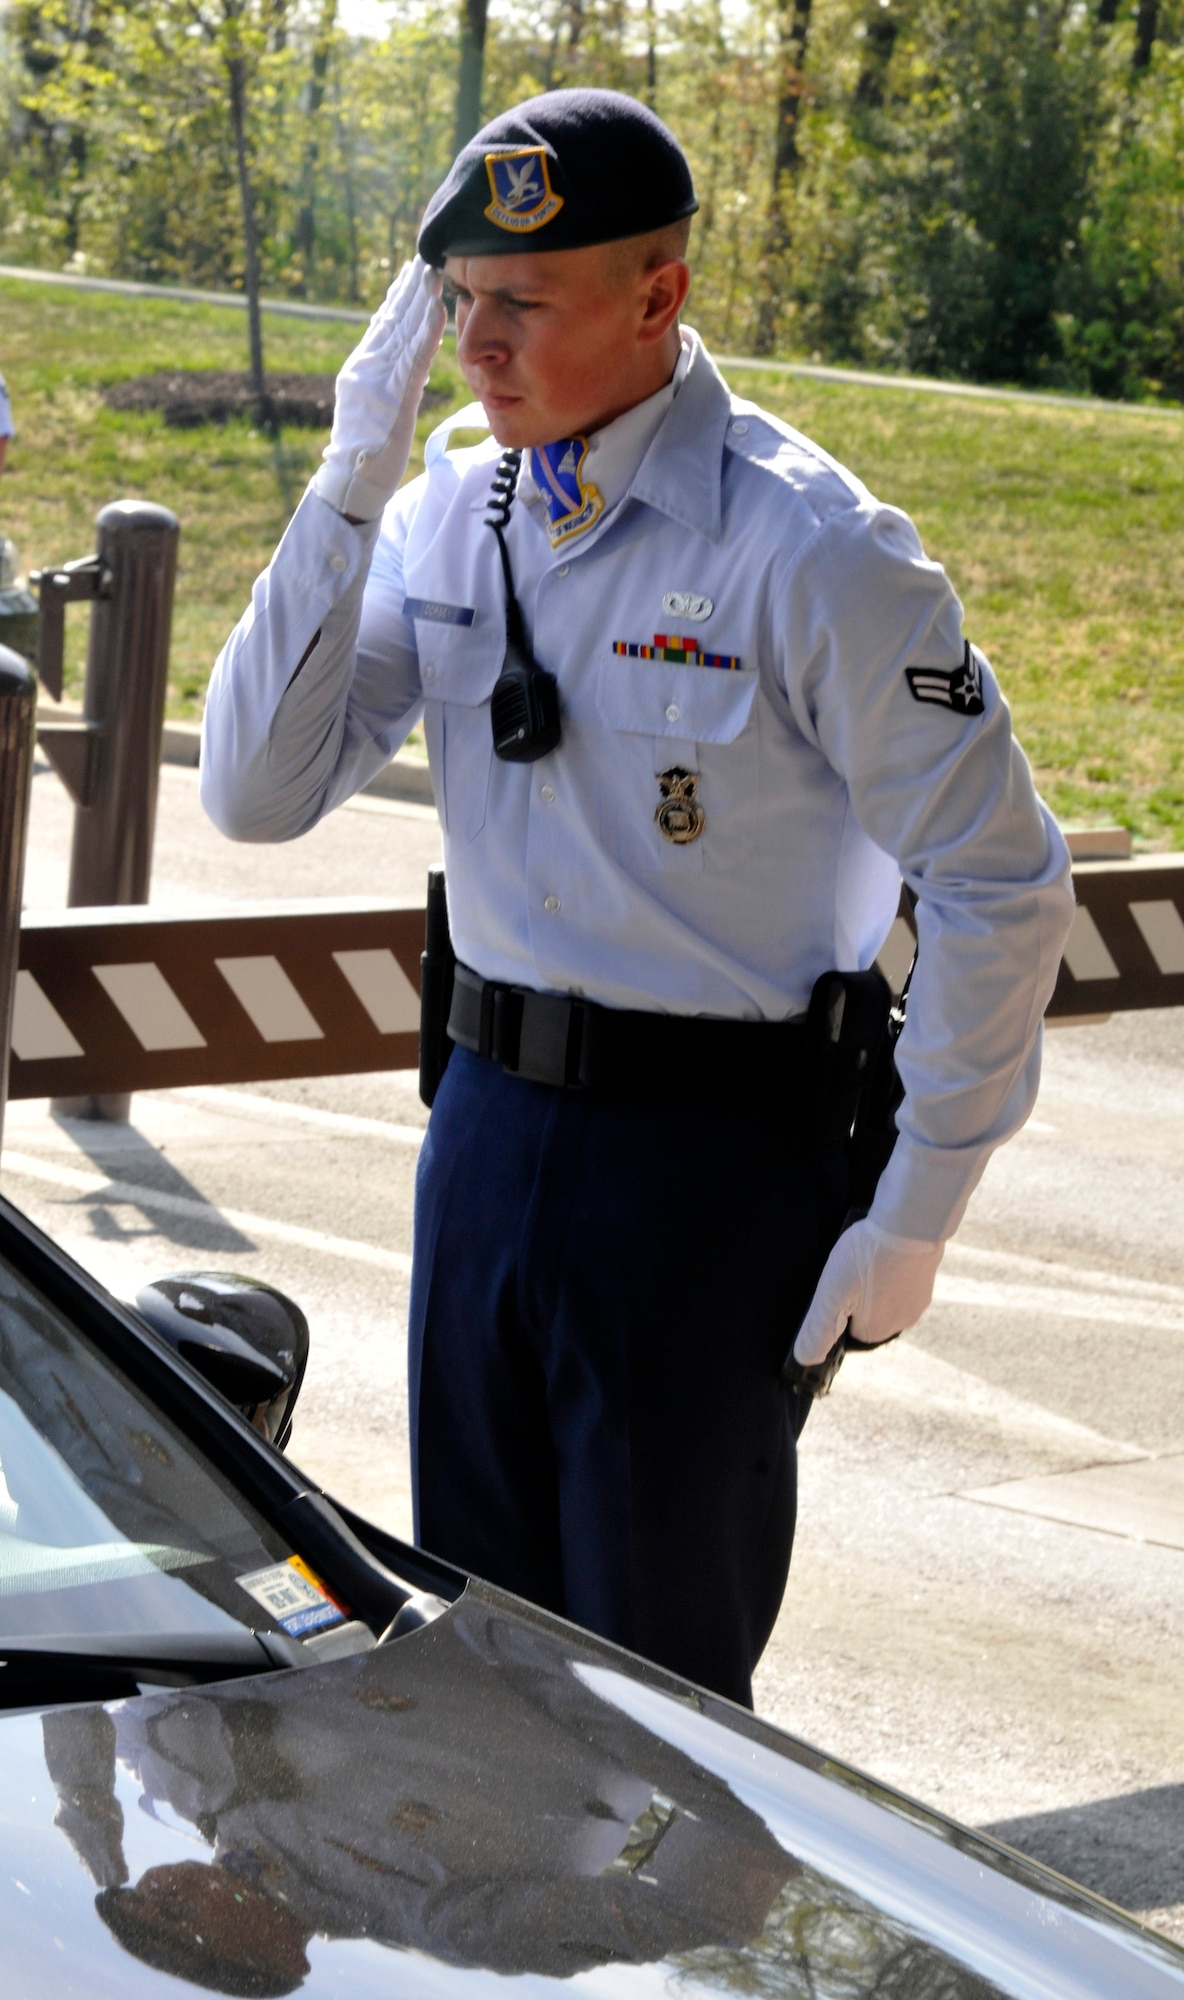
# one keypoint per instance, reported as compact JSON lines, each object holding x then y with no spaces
{"x":499,"y":1795}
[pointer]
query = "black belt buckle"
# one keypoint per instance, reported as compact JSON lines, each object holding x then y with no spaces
{"x":545,"y":1053}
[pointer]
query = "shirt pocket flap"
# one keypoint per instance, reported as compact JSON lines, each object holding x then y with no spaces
{"x":691,"y":704}
{"x":459,"y":663}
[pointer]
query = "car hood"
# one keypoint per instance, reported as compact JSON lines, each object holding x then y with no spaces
{"x":495,"y":1797}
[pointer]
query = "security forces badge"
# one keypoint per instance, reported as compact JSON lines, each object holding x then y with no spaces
{"x":680,"y":817}
{"x":523,"y":198}
{"x":961,"y":690}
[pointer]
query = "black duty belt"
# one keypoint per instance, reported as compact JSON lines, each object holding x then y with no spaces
{"x":557,"y":1039}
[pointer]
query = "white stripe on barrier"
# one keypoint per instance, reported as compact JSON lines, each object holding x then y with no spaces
{"x":1086,"y":954}
{"x":149,"y":1006}
{"x":1164,"y":933}
{"x":39,"y":1033}
{"x":265,"y":992}
{"x":125,"y":1193}
{"x":383,"y":988}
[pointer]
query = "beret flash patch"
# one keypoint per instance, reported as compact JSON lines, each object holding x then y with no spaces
{"x":961,"y":690}
{"x":523,"y":198}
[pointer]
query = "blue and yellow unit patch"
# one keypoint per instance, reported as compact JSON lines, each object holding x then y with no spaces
{"x":679,"y":652}
{"x":523,"y":198}
{"x":571,"y":506}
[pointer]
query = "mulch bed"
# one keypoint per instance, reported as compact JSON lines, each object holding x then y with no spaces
{"x":192,"y":396}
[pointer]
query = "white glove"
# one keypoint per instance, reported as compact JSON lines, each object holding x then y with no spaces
{"x":879,"y":1282}
{"x":378,"y":396}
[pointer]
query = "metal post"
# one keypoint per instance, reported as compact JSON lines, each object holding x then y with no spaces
{"x":111,"y":761}
{"x":18,"y":708}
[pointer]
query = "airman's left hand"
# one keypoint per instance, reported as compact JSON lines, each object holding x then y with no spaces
{"x":873,"y":1285}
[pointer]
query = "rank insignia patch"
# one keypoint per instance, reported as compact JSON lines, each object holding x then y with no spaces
{"x":961,"y":690}
{"x":678,"y":652}
{"x":571,"y":505}
{"x":523,"y":198}
{"x":680,"y":817}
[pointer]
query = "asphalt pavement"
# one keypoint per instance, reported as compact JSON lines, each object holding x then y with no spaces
{"x":987,"y":1599}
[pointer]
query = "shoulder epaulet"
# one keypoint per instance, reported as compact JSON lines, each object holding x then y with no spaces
{"x":792,"y":458}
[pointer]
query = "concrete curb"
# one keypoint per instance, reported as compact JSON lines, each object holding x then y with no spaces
{"x":180,"y":294}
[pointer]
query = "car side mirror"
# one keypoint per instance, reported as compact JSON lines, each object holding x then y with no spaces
{"x":247,"y":1339}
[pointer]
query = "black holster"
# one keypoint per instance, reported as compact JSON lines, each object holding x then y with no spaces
{"x":854,"y":1025}
{"x":437,"y":968}
{"x":847,"y":1025}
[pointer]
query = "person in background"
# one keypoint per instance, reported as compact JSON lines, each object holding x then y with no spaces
{"x":7,"y":428}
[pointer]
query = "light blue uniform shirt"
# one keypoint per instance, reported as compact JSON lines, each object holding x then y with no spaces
{"x":821,"y":777}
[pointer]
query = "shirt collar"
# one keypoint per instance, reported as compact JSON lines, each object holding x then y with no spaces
{"x":682,"y":472}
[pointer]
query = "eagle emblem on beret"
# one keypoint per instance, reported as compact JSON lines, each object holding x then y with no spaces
{"x":523,"y":198}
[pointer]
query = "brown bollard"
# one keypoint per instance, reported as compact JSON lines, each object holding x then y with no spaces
{"x":18,"y":708}
{"x":114,"y":755}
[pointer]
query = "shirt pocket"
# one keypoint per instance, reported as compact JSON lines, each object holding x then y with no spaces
{"x":668,"y":718}
{"x":459,"y":667}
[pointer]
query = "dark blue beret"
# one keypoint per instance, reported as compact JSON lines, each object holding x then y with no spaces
{"x":560,"y":171}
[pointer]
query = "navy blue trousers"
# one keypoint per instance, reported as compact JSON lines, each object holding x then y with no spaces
{"x":602,"y":1298}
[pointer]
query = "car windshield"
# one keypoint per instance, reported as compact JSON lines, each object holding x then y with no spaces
{"x":111,"y":1522}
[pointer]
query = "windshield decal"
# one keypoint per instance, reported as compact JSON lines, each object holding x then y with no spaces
{"x":295,"y":1597}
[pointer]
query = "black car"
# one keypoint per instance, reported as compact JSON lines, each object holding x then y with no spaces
{"x":250,"y":1744}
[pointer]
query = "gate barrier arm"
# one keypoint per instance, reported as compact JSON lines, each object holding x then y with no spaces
{"x":131,"y":998}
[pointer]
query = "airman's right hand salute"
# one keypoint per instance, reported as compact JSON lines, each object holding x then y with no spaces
{"x":378,"y":396}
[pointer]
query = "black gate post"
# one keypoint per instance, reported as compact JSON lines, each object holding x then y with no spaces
{"x":18,"y":707}
{"x":110,"y":761}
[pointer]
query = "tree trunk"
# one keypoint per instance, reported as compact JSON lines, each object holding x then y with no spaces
{"x":1107,"y":13}
{"x":879,"y":39}
{"x":562,"y":65}
{"x":793,"y":25}
{"x":1146,"y":25}
{"x":651,"y":58}
{"x":236,"y":77}
{"x":304,"y":235}
{"x":472,"y":67}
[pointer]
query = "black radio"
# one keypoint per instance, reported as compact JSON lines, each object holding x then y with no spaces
{"x":524,"y":708}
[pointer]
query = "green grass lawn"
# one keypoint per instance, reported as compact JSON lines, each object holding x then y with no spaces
{"x":1063,"y":528}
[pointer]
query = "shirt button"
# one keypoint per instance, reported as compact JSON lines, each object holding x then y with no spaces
{"x":548,"y":793}
{"x":673,"y":712}
{"x":337,"y":562}
{"x":429,"y":672}
{"x":551,"y":904}
{"x":740,"y":427}
{"x":563,"y":570}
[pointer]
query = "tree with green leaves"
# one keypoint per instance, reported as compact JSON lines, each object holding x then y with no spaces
{"x":982,"y":188}
{"x":215,"y":50}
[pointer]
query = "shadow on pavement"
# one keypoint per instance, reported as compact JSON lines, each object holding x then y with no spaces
{"x":126,"y":1157}
{"x":1129,"y":1849}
